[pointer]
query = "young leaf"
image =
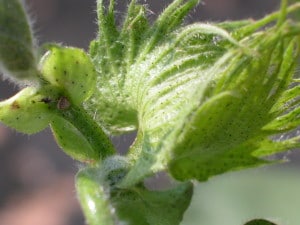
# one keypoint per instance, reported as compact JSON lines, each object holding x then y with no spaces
{"x":141,"y":206}
{"x":204,"y":100}
{"x":124,"y":102}
{"x":228,"y":132}
{"x":17,"y":57}
{"x":71,"y":70}
{"x":134,"y":28}
{"x":29,"y":110}
{"x":72,"y":141}
{"x":167,"y":22}
{"x":233,"y":108}
{"x":79,"y":136}
{"x":114,"y":52}
{"x":175,"y":78}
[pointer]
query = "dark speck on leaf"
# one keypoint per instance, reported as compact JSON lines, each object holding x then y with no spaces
{"x":15,"y":105}
{"x":46,"y":100}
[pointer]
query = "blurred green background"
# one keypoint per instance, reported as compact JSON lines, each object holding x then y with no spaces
{"x":37,"y":179}
{"x":235,"y":198}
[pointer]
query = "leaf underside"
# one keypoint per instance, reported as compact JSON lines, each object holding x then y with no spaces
{"x":204,"y":98}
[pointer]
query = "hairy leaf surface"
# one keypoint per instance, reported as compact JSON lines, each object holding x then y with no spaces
{"x":205,"y":99}
{"x":17,"y":56}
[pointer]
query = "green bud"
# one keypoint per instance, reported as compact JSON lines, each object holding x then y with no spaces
{"x":71,"y":70}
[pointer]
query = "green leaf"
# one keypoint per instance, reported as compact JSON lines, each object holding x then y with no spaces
{"x":72,"y":141}
{"x":104,"y":203}
{"x":71,"y":70}
{"x":17,"y":55}
{"x":227,"y":132}
{"x":259,"y":222}
{"x":166,"y":22}
{"x":175,"y":78}
{"x":134,"y":28}
{"x":78,"y":135}
{"x":140,"y":206}
{"x":226,"y":123}
{"x":204,"y":100}
{"x":28,"y":111}
{"x":115,"y":51}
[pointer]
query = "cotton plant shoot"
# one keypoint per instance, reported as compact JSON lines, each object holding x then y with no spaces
{"x":203,"y":98}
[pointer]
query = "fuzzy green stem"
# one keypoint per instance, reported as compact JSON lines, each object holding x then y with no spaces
{"x":93,"y":199}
